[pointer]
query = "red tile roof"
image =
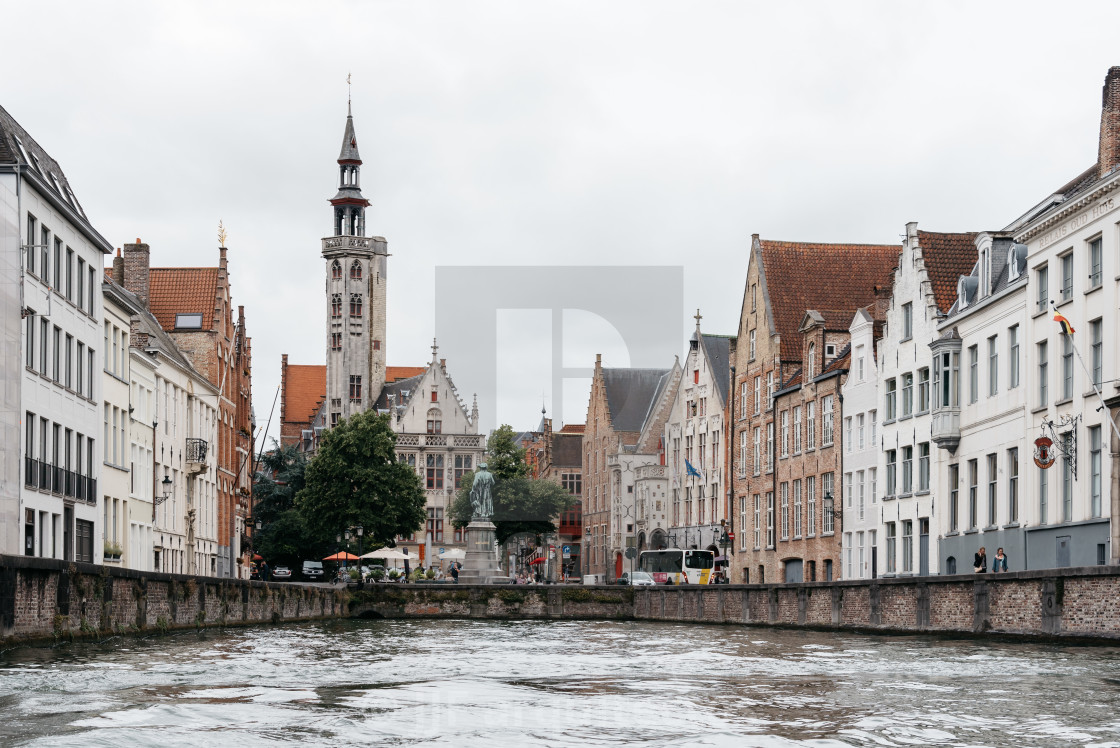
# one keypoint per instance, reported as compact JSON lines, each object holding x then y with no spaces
{"x":834,"y":279}
{"x":305,"y":388}
{"x":394,"y":373}
{"x":947,"y":257}
{"x":183,"y":291}
{"x":572,"y":428}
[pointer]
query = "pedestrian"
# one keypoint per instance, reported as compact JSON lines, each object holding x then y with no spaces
{"x":980,"y":561}
{"x":263,"y":574}
{"x":455,"y":572}
{"x":999,"y":563}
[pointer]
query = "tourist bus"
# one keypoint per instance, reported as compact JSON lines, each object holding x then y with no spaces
{"x":676,"y":566}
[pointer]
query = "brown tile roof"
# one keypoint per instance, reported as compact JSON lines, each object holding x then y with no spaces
{"x":947,"y":257}
{"x":305,"y":388}
{"x":573,"y":428}
{"x":842,"y":361}
{"x":183,"y":291}
{"x":393,"y":373}
{"x":834,"y":279}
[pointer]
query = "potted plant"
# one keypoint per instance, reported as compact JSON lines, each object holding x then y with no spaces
{"x":394,"y":575}
{"x":377,"y":573}
{"x":112,"y":551}
{"x":430,"y":574}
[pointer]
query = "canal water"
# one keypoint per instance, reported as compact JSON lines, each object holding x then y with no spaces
{"x":494,"y":684}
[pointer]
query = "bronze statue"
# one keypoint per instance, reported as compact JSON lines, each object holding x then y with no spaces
{"x":482,"y":498}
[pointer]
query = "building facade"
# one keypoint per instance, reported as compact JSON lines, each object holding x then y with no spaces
{"x":53,"y":317}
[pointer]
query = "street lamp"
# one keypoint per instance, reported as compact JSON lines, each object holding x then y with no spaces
{"x":166,"y":483}
{"x":829,"y":509}
{"x":361,"y":577}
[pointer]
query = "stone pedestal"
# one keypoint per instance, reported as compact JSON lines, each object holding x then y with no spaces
{"x":480,"y":567}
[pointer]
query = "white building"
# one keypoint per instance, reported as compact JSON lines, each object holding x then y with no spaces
{"x":52,"y":258}
{"x":695,"y":447}
{"x":979,"y":410}
{"x":860,"y":521}
{"x":924,"y":289}
{"x":117,"y":467}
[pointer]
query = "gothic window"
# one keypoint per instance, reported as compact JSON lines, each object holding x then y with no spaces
{"x":355,"y":305}
{"x":336,"y":270}
{"x":355,"y":389}
{"x":356,"y":271}
{"x":336,"y":341}
{"x":336,"y":306}
{"x":377,"y":345}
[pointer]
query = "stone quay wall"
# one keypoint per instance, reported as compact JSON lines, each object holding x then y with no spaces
{"x":46,"y":599}
{"x":1073,"y":603}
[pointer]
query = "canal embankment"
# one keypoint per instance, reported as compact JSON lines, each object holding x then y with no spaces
{"x":44,"y":600}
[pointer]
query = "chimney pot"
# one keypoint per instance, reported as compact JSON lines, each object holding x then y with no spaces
{"x":1108,"y":153}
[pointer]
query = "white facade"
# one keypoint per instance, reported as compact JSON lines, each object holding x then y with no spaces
{"x":141,"y":511}
{"x":116,"y":468}
{"x":57,"y":266}
{"x":861,"y":453}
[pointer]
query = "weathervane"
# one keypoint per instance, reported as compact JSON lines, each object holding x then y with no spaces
{"x":221,"y":234}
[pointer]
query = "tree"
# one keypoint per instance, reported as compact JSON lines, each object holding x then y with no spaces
{"x":355,"y":479}
{"x":284,"y":538}
{"x":521,"y":504}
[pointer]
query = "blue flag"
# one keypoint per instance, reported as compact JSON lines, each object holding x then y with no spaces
{"x":691,"y":470}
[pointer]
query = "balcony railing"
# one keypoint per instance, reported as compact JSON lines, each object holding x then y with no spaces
{"x":30,"y":472}
{"x":196,"y":450}
{"x":43,"y":476}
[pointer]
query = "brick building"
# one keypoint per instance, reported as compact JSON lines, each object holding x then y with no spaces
{"x":791,"y":358}
{"x":194,"y":305}
{"x":626,"y":416}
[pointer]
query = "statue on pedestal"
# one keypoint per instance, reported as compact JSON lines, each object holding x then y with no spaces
{"x":482,"y":497}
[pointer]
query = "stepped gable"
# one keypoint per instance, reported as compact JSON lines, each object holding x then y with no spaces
{"x":631,"y":393}
{"x":175,"y":291}
{"x":834,"y":279}
{"x":947,"y":257}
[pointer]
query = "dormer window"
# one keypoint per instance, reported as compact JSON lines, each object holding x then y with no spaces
{"x":190,"y":321}
{"x":811,"y":364}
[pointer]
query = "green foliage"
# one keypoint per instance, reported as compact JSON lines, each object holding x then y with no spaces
{"x":355,"y":479}
{"x":280,"y":476}
{"x":377,"y":573}
{"x":504,"y":458}
{"x":511,"y":597}
{"x":430,"y":574}
{"x":417,"y":575}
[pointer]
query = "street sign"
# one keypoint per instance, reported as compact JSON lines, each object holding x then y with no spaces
{"x":631,"y":552}
{"x":567,"y":551}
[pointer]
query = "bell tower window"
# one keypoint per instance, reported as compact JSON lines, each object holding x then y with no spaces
{"x":355,"y":305}
{"x":356,"y":271}
{"x":336,"y":270}
{"x":336,"y":306}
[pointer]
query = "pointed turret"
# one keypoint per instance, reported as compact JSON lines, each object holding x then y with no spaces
{"x":349,"y":204}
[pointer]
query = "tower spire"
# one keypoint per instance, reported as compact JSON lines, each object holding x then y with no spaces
{"x":349,"y":203}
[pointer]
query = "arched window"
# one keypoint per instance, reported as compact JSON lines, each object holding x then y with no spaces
{"x":336,"y":305}
{"x":811,"y":365}
{"x":356,"y":271}
{"x":355,"y":305}
{"x":336,"y":270}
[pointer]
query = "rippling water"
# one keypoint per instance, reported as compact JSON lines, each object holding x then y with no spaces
{"x":469,"y":683}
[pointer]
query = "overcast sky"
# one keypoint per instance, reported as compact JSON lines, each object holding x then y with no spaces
{"x":534,"y":133}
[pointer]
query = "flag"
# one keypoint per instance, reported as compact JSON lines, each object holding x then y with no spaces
{"x":1067,"y":328}
{"x":691,"y":470}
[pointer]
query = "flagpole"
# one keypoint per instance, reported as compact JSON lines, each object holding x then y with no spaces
{"x":1088,"y":374}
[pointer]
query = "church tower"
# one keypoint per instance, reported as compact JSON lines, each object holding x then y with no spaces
{"x":355,"y":293}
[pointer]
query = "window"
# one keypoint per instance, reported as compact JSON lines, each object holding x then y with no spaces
{"x":993,"y":486}
{"x":769,"y":390}
{"x":797,"y":508}
{"x":1013,"y":356}
{"x":1067,"y":367}
{"x":1096,"y":352}
{"x":435,"y":426}
{"x":993,"y":365}
{"x":849,"y":572}
{"x":68,"y":369}
{"x":848,"y":492}
{"x":757,"y":450}
{"x":907,"y":546}
{"x":336,"y":270}
{"x":742,"y":453}
{"x":891,"y":540}
{"x":770,"y":446}
{"x":31,"y":226}
{"x":355,"y":305}
{"x":188,"y":321}
{"x":861,"y":489}
{"x":907,"y":320}
{"x":355,"y":389}
{"x":58,"y":264}
{"x":336,"y":341}
{"x":973,"y":374}
{"x":861,"y":555}
{"x":954,"y":497}
{"x":811,"y":503}
{"x":923,"y":389}
{"x":907,"y":394}
{"x":973,"y":483}
{"x":434,"y":468}
{"x":860,"y":422}
{"x":696,"y":376}
{"x":873,"y":479}
{"x":811,"y":364}
{"x":571,"y":482}
{"x":1095,"y":262}
{"x":69,"y":274}
{"x":1013,"y":484}
{"x":1067,"y":276}
{"x":892,"y":472}
{"x":923,"y":466}
{"x":826,"y":489}
{"x":770,"y":519}
{"x":848,"y":440}
{"x":1042,"y":374}
{"x":355,"y":270}
{"x":810,"y":425}
{"x":797,"y":430}
{"x":757,"y":521}
{"x":826,"y":417}
{"x":435,"y":524}
{"x":890,"y":403}
{"x":30,"y":339}
{"x":785,"y":511}
{"x":861,"y":372}
{"x":81,"y":281}
{"x":92,"y":286}
{"x":44,"y":332}
{"x":907,"y":469}
{"x":785,"y":433}
{"x":1041,"y":278}
{"x":1095,"y":471}
{"x":750,"y":345}
{"x":743,"y":392}
{"x":336,"y":306}
{"x":56,"y":355}
{"x":44,"y":248}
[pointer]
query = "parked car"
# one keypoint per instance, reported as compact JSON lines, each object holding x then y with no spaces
{"x":281,"y":572}
{"x":636,"y":578}
{"x":313,"y":571}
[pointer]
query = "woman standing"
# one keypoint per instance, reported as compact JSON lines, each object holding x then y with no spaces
{"x":999,"y":563}
{"x":980,"y":561}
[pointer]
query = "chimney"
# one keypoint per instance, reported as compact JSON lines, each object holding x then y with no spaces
{"x":1108,"y":153}
{"x":137,"y":273}
{"x":118,"y":269}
